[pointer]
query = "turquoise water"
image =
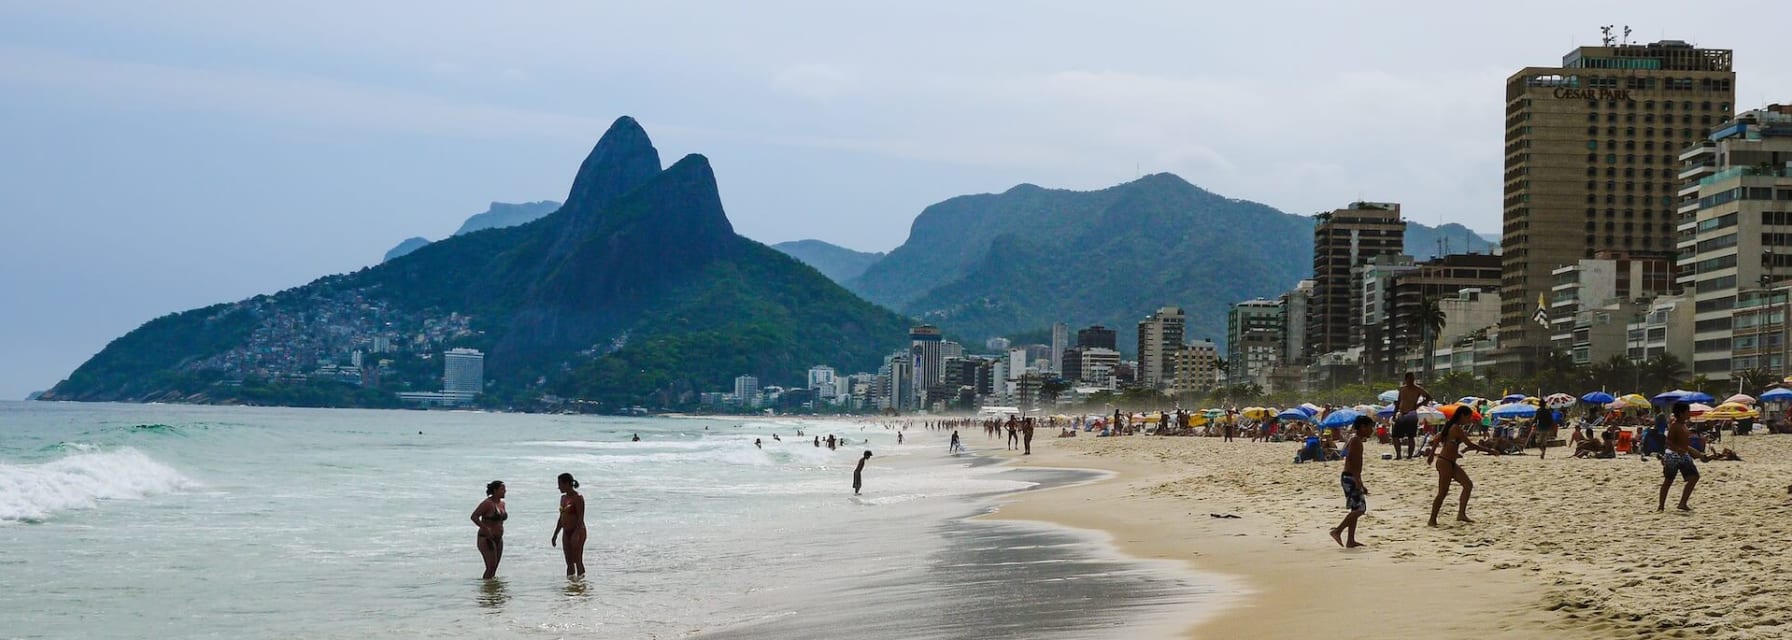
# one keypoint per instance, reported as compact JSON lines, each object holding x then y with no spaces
{"x":170,"y":521}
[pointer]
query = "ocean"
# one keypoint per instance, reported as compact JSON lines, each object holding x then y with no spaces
{"x":138,"y":521}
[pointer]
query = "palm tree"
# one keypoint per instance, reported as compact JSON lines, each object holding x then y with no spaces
{"x":1431,"y":321}
{"x":1661,"y":373}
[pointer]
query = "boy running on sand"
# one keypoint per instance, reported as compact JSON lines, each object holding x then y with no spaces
{"x":1355,"y":492}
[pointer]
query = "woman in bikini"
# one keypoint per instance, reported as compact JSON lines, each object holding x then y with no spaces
{"x":1447,"y":450}
{"x":489,"y":516}
{"x":572,"y":521}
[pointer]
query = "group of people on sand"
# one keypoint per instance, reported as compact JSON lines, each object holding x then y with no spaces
{"x":1678,"y":458}
{"x":491,"y":513}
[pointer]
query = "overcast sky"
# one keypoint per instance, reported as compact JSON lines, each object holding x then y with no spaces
{"x":158,"y":156}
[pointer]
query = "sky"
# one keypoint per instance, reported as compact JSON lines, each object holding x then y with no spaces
{"x":156,"y":157}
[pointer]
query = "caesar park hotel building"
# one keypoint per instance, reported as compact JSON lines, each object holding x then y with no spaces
{"x":1593,"y":154}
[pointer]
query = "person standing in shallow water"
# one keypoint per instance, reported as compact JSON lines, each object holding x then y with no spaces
{"x":858,"y":479}
{"x":572,"y":521}
{"x":489,"y":516}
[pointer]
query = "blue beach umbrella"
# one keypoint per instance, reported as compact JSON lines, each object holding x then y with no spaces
{"x":1670,"y":397}
{"x":1512,"y":398}
{"x":1513,"y":410}
{"x":1389,"y":396}
{"x":1295,"y":415}
{"x":1777,"y":395}
{"x":1697,"y":396}
{"x":1308,"y":409}
{"x":1340,"y":419}
{"x":1599,"y":397}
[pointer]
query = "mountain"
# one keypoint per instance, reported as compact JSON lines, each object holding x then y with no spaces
{"x":499,"y":215}
{"x":636,"y":291}
{"x":410,"y":244}
{"x":1001,"y":264}
{"x":1424,"y":243}
{"x":838,"y":263}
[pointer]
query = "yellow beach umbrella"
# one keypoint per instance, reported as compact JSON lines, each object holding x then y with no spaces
{"x":1635,"y":400}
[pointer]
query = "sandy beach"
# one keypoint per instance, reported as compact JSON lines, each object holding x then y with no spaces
{"x":1561,"y":547}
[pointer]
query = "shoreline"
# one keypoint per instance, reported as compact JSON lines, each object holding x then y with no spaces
{"x":1291,"y":580}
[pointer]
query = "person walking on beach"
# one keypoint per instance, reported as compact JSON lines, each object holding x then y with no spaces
{"x":1677,"y":458}
{"x":489,"y":516}
{"x":1013,"y":434}
{"x":858,"y":479}
{"x":1406,"y":416}
{"x":1355,"y":492}
{"x":1026,"y":436}
{"x":1447,"y":449}
{"x":572,"y":521}
{"x":954,"y":447}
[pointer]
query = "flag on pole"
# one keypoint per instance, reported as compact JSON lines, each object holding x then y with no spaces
{"x":1542,"y":314}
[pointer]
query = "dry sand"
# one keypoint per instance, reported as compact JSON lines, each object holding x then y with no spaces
{"x":1563,"y":548}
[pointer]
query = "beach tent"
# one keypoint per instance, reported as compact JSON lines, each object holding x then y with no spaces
{"x":1340,"y":418}
{"x":1560,"y":401}
{"x":1597,"y":397}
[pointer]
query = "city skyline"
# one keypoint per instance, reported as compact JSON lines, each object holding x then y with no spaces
{"x":150,"y":175}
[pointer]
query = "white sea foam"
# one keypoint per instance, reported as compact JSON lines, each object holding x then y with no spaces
{"x":82,"y":480}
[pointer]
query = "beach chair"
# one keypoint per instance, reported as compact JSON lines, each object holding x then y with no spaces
{"x":1623,"y":442}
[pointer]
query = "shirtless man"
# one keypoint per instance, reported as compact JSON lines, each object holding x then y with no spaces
{"x":1678,"y":459}
{"x":1355,"y":492}
{"x":1406,"y":416}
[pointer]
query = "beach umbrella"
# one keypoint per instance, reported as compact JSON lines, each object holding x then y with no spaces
{"x":1449,"y":411}
{"x":1257,"y":413}
{"x":1669,"y":397}
{"x":1728,"y":412}
{"x":1634,"y":400}
{"x":1533,"y":401}
{"x":1513,"y":410}
{"x":1294,"y":415}
{"x":1733,"y":407}
{"x":1340,"y":418}
{"x":1560,"y":401}
{"x":1310,"y":408}
{"x":1431,"y":415}
{"x":1777,"y":395}
{"x":1597,"y":397}
{"x":1740,"y":398}
{"x":1366,"y":409}
{"x":1389,"y":396}
{"x":1698,"y":408}
{"x":1386,"y":411}
{"x":1470,"y":400}
{"x":1511,"y":398}
{"x":1696,"y":396}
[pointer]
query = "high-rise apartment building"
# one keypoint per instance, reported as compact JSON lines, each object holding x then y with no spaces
{"x":1592,"y":150}
{"x":1736,"y":237}
{"x":746,"y":391}
{"x":1253,"y":341}
{"x":928,"y":349}
{"x":1159,"y":334}
{"x":463,"y":373}
{"x":1343,"y":242}
{"x":1060,"y":342}
{"x":1096,"y":336}
{"x":1194,"y":367}
{"x":1294,"y":322}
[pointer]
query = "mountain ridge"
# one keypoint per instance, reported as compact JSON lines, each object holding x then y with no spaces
{"x":637,"y":290}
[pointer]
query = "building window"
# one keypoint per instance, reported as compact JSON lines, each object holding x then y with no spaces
{"x":1592,"y":145}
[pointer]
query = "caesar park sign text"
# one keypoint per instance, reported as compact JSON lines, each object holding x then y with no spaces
{"x":1593,"y":94}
